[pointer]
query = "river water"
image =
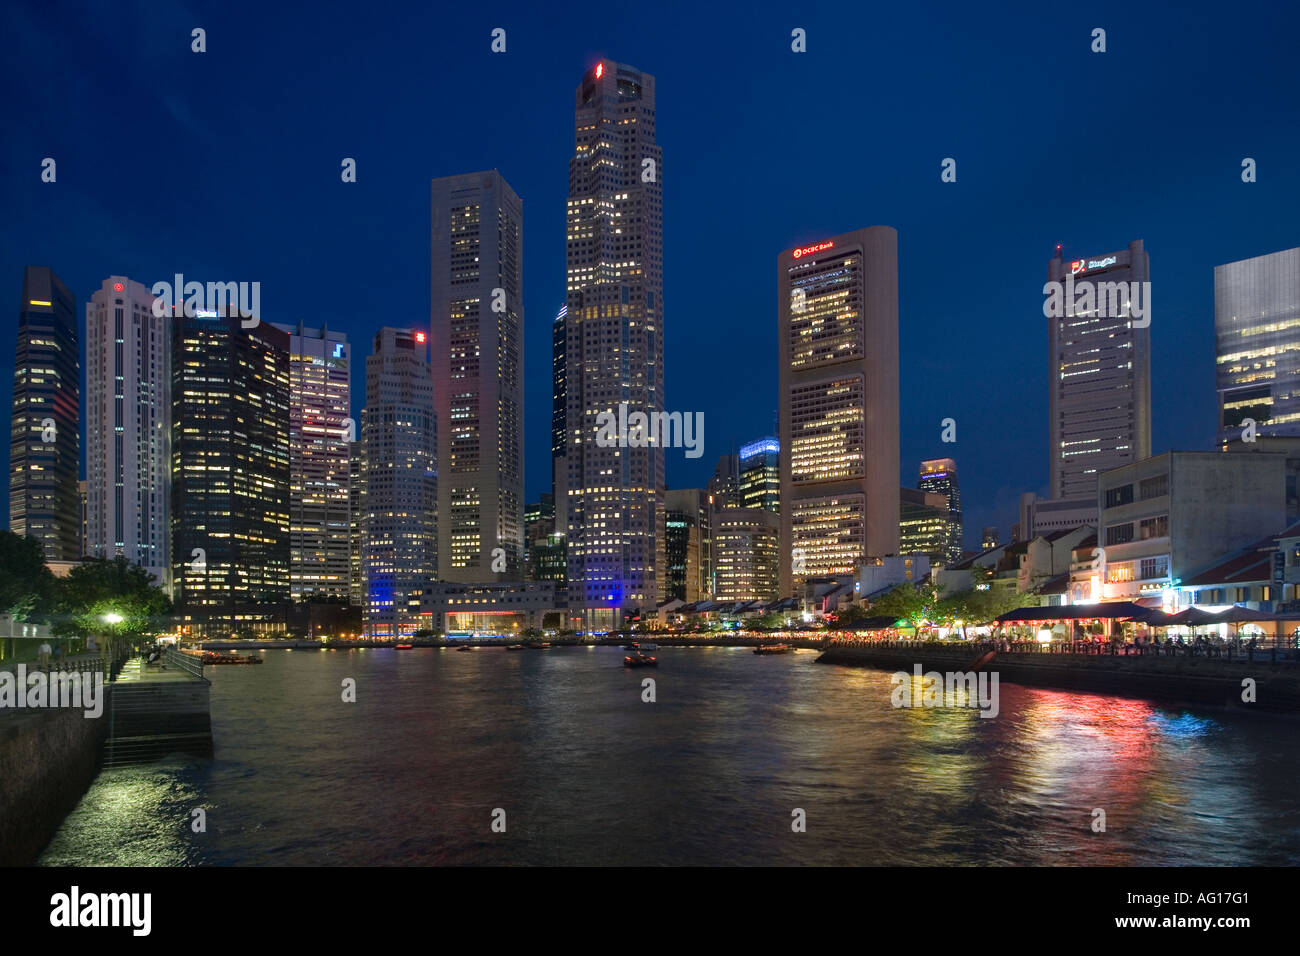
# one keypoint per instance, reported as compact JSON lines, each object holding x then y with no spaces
{"x":711,"y":773}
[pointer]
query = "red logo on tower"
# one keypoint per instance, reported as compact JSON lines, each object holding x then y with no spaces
{"x":802,"y":251}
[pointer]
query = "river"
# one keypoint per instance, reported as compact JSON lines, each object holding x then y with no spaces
{"x":711,"y":773}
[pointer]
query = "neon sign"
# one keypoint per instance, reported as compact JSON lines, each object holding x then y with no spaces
{"x":1079,"y":265}
{"x":816,"y":247}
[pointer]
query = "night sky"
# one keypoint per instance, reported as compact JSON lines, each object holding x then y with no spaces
{"x":225,"y":166}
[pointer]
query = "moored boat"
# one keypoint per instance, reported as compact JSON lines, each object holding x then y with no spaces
{"x":639,"y":660}
{"x":772,"y":649}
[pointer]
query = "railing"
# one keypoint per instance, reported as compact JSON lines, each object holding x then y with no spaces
{"x":190,"y":663}
{"x":1211,"y":650}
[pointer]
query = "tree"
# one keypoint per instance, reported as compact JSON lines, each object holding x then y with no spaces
{"x":914,"y":603}
{"x":26,"y":584}
{"x":981,"y":603}
{"x":97,"y":593}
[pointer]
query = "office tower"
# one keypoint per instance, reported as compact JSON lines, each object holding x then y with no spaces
{"x":746,"y":544}
{"x":539,"y":532}
{"x":688,"y":549}
{"x":939,"y":476}
{"x":725,"y":483}
{"x":320,"y":427}
{"x":44,"y":445}
{"x":357,"y":516}
{"x":400,"y":550}
{"x":838,"y":375}
{"x":1257,"y":333}
{"x":478,"y":355}
{"x":924,"y":526}
{"x":1100,"y":368}
{"x":230,"y":474}
{"x":558,"y":397}
{"x":989,"y":538}
{"x":614,"y":347}
{"x":760,"y":475}
{"x":128,"y":427}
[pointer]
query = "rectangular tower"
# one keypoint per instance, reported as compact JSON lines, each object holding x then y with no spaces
{"x":478,"y":368}
{"x":230,"y":474}
{"x":400,"y":547}
{"x":614,"y":339}
{"x":320,"y":427}
{"x":44,"y":445}
{"x":128,"y":427}
{"x":1257,"y":335}
{"x":1100,"y":399}
{"x":837,"y":308}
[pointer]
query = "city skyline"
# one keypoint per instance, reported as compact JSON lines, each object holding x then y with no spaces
{"x":997,"y":339}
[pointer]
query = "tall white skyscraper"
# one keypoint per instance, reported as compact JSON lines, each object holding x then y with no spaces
{"x":320,"y":427}
{"x":614,"y":347}
{"x":128,"y":427}
{"x":478,"y":376}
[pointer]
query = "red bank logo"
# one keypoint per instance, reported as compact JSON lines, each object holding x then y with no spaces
{"x":809,"y":250}
{"x":1076,"y":267}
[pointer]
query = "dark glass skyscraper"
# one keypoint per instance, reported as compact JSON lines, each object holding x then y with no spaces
{"x":939,"y":476}
{"x":44,"y":445}
{"x":230,"y":474}
{"x":760,"y":475}
{"x":614,"y":342}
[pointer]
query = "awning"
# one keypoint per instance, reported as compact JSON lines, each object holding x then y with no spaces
{"x":1103,"y":611}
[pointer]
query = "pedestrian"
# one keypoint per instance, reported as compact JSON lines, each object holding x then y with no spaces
{"x":44,"y":652}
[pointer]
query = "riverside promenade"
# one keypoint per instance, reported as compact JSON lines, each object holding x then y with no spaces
{"x":1214,"y":675}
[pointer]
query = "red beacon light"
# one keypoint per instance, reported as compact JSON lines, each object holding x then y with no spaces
{"x":600,"y":70}
{"x":118,"y":287}
{"x":419,"y":336}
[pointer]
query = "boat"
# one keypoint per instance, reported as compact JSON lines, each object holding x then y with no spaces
{"x":211,"y":657}
{"x":772,"y":649}
{"x":403,"y":647}
{"x":537,"y":645}
{"x":463,"y":647}
{"x":514,"y":647}
{"x":640,"y":660}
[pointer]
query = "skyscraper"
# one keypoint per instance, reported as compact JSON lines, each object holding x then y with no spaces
{"x":724,"y":486}
{"x":128,"y":427}
{"x":357,"y":516}
{"x":230,"y":474}
{"x":760,"y":475}
{"x":614,"y":346}
{"x":1100,"y":370}
{"x":320,"y":427}
{"x":746,"y":546}
{"x":1257,"y":333}
{"x":939,"y":476}
{"x":837,"y":336}
{"x":688,"y":550}
{"x":558,"y":399}
{"x":44,"y":445}
{"x":478,"y":347}
{"x":400,"y":549}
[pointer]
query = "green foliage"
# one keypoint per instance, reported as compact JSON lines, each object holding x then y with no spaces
{"x":101,"y":587}
{"x":26,"y":585}
{"x":914,"y":603}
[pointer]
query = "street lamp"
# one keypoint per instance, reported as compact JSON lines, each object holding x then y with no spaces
{"x":112,"y":617}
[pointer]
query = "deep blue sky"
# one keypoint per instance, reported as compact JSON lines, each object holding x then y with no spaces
{"x":225,"y":166}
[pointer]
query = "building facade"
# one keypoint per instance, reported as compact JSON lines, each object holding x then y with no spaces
{"x":760,"y":475}
{"x":44,"y":444}
{"x":614,"y":348}
{"x":939,"y":476}
{"x":400,"y":543}
{"x":1099,"y":367}
{"x":924,"y":525}
{"x":320,"y":430}
{"x":746,"y":548}
{"x":839,"y":404}
{"x":230,"y":475}
{"x":1257,"y":346}
{"x":128,"y":409}
{"x":478,"y":367}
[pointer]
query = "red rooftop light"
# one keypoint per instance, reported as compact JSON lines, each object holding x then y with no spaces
{"x":118,"y":287}
{"x":419,"y":336}
{"x":600,"y":70}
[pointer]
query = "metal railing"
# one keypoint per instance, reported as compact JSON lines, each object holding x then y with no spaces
{"x":192,"y":664}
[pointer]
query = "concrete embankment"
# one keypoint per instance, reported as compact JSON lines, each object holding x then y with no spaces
{"x":1194,"y":680}
{"x":47,"y":760}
